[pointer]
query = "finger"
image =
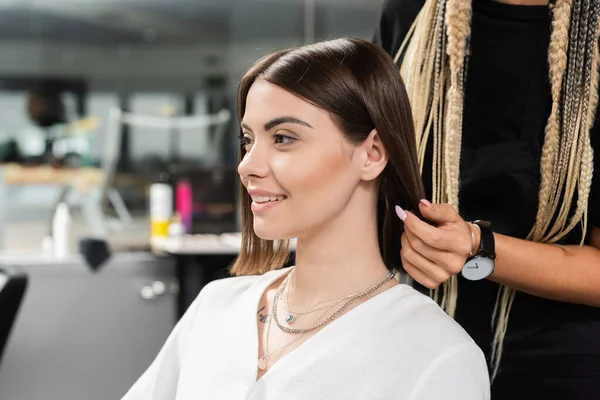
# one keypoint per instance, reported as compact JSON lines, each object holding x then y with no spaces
{"x":418,"y":275}
{"x":435,"y":272}
{"x":450,"y":261}
{"x":438,"y":213}
{"x":442,"y":239}
{"x":427,"y":251}
{"x":432,"y":236}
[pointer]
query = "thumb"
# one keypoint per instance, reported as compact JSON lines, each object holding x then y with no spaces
{"x":438,"y":213}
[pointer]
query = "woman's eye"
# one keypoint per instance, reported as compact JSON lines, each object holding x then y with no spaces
{"x":245,"y":141}
{"x":283,"y":139}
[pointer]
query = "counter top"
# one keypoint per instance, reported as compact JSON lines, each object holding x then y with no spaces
{"x":225,"y":243}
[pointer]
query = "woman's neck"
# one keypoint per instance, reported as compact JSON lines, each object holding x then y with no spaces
{"x":341,"y":257}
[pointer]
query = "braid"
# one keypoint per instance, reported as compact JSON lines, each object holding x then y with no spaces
{"x":588,"y":97}
{"x":557,"y":59}
{"x":587,"y":162}
{"x":570,"y":103}
{"x":570,"y":146}
{"x":439,"y":98}
{"x":458,"y":18}
{"x":458,"y":22}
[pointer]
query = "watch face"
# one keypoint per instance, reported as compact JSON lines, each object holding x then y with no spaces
{"x":478,"y":268}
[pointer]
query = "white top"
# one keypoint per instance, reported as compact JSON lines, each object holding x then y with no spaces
{"x":397,"y":345}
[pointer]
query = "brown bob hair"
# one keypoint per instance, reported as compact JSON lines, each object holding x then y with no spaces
{"x":359,"y":85}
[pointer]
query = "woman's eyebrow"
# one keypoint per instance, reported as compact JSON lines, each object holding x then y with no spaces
{"x":278,"y":121}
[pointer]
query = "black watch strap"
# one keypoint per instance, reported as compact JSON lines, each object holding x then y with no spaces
{"x":487,"y":245}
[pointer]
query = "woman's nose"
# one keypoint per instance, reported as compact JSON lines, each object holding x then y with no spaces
{"x":254,"y":164}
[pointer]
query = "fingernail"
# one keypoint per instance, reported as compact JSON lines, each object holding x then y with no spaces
{"x":400,"y":212}
{"x":427,"y":203}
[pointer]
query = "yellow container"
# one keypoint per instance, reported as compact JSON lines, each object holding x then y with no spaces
{"x":159,"y":228}
{"x":161,"y":209}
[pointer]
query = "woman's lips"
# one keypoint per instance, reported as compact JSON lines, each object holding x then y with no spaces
{"x":263,"y":203}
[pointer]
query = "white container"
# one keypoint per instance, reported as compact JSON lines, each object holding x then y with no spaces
{"x":61,"y":225}
{"x":161,"y":208}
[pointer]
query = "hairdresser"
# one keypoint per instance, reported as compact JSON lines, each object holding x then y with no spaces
{"x":504,"y":96}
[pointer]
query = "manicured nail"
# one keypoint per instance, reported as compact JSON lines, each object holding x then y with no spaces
{"x":400,"y":212}
{"x":427,"y":203}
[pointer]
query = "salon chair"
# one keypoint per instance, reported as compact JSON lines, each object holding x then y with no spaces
{"x":13,"y":285}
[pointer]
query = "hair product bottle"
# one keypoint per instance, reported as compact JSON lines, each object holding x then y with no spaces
{"x":161,"y":209}
{"x":184,"y":204}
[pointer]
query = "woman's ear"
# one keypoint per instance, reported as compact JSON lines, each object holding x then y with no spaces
{"x":377,"y":157}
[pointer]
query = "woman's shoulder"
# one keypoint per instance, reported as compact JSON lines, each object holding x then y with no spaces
{"x":406,"y":334}
{"x":416,"y":326}
{"x":226,"y":291}
{"x":439,"y":351}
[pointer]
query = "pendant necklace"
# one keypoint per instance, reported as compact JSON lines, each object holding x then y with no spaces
{"x":263,"y":362}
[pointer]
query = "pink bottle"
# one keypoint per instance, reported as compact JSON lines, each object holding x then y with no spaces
{"x":184,"y":204}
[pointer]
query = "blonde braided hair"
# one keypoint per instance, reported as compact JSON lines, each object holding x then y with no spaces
{"x":435,"y":57}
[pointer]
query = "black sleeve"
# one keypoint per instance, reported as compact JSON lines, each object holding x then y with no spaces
{"x":594,"y":201}
{"x":394,"y":23}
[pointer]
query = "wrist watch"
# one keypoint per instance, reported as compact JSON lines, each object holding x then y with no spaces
{"x":481,"y":265}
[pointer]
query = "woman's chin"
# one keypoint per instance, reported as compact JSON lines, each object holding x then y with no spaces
{"x":270,"y":234}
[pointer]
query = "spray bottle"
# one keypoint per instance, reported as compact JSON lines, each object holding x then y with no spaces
{"x":60,"y":231}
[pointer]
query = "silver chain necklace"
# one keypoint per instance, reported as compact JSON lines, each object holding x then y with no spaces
{"x":333,"y":316}
{"x":293,"y":315}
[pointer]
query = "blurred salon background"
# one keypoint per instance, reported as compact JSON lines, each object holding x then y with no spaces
{"x":118,"y":189}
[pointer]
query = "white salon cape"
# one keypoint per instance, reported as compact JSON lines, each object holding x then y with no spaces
{"x":397,"y":345}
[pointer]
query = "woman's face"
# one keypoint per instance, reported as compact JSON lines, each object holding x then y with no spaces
{"x":298,"y":168}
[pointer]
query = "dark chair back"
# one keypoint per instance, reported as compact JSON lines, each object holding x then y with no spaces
{"x":13,"y":284}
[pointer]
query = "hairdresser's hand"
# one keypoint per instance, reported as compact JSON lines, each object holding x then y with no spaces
{"x":432,"y":254}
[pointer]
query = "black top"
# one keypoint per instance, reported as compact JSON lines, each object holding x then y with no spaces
{"x":507,"y":105}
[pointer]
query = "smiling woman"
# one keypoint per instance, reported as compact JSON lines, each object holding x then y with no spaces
{"x":303,"y":114}
{"x":328,"y":151}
